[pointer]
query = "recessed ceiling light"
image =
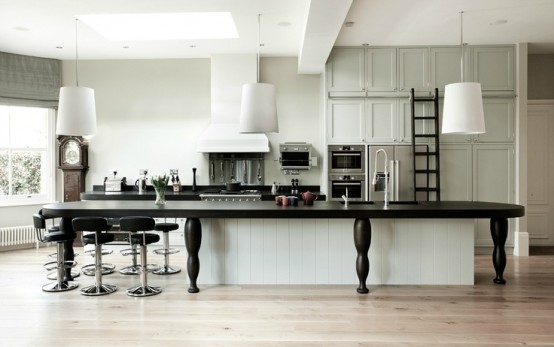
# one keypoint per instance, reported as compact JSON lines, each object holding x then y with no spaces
{"x":163,"y":26}
{"x":284,"y":24}
{"x":20,"y":28}
{"x":59,"y":47}
{"x":349,"y":24}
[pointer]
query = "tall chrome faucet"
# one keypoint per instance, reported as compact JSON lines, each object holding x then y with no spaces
{"x":385,"y":173}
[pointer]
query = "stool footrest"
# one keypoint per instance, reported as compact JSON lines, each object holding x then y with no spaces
{"x":163,"y":251}
{"x":129,"y":251}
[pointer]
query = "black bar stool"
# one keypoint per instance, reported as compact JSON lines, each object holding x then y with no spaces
{"x":90,"y":269}
{"x":134,"y":225}
{"x":55,"y":235}
{"x":166,"y":269}
{"x":54,"y":275}
{"x":97,"y":238}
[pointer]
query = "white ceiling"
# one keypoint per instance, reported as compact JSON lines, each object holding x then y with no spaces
{"x":38,"y":27}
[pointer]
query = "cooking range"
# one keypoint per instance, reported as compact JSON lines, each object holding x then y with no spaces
{"x":226,"y":195}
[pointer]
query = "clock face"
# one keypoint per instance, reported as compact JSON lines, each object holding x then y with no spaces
{"x":72,"y":153}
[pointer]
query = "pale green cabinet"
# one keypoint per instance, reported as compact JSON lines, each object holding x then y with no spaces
{"x":499,"y":123}
{"x":345,"y":120}
{"x":413,"y":69}
{"x":345,"y":72}
{"x":422,"y":126}
{"x":446,"y":67}
{"x":494,"y":67}
{"x":478,"y":172}
{"x":382,"y":121}
{"x":381,"y":69}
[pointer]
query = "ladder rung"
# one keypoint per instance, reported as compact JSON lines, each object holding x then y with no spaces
{"x":423,"y":99}
{"x":425,"y":153}
{"x":425,"y":135}
{"x":424,"y":118}
{"x":426,"y":171}
{"x":425,"y":189}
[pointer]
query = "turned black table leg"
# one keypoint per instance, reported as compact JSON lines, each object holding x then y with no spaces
{"x":68,"y":252}
{"x":362,"y":241}
{"x":193,"y":239}
{"x":499,"y":233}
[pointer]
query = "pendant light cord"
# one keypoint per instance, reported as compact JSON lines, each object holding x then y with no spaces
{"x":462,"y":44}
{"x":76,"y":53}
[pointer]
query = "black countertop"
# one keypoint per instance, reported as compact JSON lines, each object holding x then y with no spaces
{"x":186,"y":194}
{"x":266,"y":209}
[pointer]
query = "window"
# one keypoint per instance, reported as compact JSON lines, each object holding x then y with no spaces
{"x":26,"y":155}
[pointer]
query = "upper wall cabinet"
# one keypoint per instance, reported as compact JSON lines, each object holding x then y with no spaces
{"x":446,"y":66}
{"x":494,"y":67}
{"x":351,"y":72}
{"x":413,"y":69}
{"x":345,"y":72}
{"x":381,"y":69}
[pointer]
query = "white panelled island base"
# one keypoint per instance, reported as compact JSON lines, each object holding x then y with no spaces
{"x":322,"y":251}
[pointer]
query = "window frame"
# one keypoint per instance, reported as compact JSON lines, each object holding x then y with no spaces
{"x":49,"y":170}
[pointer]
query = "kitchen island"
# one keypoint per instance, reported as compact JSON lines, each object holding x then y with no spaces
{"x":361,"y":213}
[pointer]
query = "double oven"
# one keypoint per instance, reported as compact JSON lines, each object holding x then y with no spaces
{"x":347,"y":174}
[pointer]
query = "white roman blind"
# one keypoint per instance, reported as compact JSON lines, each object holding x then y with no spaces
{"x":29,"y":81}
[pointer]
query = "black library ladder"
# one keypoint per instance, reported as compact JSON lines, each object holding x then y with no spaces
{"x":426,"y":158}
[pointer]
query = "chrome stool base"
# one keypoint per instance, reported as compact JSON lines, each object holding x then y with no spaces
{"x":167,"y":270}
{"x":59,"y":287}
{"x":144,"y":291}
{"x":130,"y":270}
{"x":95,"y":290}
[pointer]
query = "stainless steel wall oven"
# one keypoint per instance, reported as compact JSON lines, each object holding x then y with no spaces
{"x":354,"y":183}
{"x":347,"y":159}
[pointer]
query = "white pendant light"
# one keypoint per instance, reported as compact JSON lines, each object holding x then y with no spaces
{"x":258,"y":112}
{"x":76,"y":109}
{"x":463,"y":103}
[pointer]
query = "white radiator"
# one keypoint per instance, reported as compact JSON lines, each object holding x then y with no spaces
{"x":17,"y":237}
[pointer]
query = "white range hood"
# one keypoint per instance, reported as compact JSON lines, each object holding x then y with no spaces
{"x":228,"y":74}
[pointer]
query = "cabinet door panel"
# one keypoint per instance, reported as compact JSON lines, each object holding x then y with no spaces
{"x":456,"y":173}
{"x":493,"y":176}
{"x":381,"y":121}
{"x":346,"y":71}
{"x":405,"y":121}
{"x":446,"y":66}
{"x":499,"y":120}
{"x":345,"y":121}
{"x":413,"y":69}
{"x":381,"y":69}
{"x":493,"y":67}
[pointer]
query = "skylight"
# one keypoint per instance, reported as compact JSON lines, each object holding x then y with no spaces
{"x":163,"y":26}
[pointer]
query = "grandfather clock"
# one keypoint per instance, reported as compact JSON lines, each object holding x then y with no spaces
{"x":73,"y":161}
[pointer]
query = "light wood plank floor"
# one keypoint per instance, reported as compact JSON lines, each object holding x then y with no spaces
{"x":520,"y":313}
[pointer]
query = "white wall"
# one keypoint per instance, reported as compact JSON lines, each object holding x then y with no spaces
{"x":151,"y":112}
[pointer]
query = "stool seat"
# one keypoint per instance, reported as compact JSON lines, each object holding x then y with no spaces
{"x":59,"y":236}
{"x":144,"y":239}
{"x":100,"y":238}
{"x":166,"y":227}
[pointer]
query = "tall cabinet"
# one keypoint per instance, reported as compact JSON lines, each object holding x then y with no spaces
{"x":367,"y":102}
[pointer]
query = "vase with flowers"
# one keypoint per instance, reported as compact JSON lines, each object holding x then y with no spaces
{"x":160,"y":183}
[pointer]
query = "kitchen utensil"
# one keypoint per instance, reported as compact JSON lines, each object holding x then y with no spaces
{"x":309,"y":197}
{"x":293,"y":200}
{"x":193,"y":179}
{"x":274,"y":188}
{"x":140,"y":184}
